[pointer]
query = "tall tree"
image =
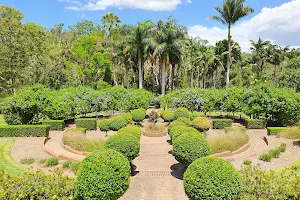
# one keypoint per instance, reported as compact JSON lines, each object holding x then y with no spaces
{"x":110,"y":21}
{"x":232,"y":12}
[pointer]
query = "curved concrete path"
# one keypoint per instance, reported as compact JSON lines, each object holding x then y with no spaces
{"x":157,"y":175}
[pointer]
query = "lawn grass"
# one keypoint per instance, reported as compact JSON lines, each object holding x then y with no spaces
{"x":2,"y":122}
{"x":7,"y":163}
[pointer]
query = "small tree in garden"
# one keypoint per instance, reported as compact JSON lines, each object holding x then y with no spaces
{"x":104,"y":125}
{"x":153,"y":117}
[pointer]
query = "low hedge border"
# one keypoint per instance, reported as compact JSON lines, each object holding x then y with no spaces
{"x":276,"y":130}
{"x":222,"y":123}
{"x":255,"y":123}
{"x":54,"y":124}
{"x":88,"y":123}
{"x":24,"y":131}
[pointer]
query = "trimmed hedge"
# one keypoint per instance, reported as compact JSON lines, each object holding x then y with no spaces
{"x":182,"y":112}
{"x":24,"y":131}
{"x":175,"y":123}
{"x":117,"y":123}
{"x":167,"y":116}
{"x":177,"y":131}
{"x":185,"y":120}
{"x":276,"y":130}
{"x":255,"y":124}
{"x":221,"y":123}
{"x":138,"y":115}
{"x":212,"y":178}
{"x":103,"y":175}
{"x":201,"y":124}
{"x":54,"y":124}
{"x":104,"y":125}
{"x":125,"y":143}
{"x":133,"y":130}
{"x":89,"y":124}
{"x":190,"y":146}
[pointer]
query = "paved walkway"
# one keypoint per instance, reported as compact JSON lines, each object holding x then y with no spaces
{"x":158,"y":175}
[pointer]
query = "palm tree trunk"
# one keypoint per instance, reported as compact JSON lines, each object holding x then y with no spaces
{"x":140,"y":74}
{"x":127,"y":78}
{"x":172,"y":76}
{"x":163,"y":79}
{"x":228,"y":58}
{"x":114,"y":74}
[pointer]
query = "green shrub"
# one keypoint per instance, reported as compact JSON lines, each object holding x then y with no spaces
{"x":104,"y":124}
{"x":78,"y":130}
{"x":235,"y":129}
{"x":175,"y":123}
{"x":185,"y":120}
{"x":190,"y":146}
{"x":175,"y":129}
{"x":182,"y":112}
{"x":275,"y":130}
{"x":195,"y":114}
{"x":167,"y":116}
{"x":127,"y":117}
{"x":275,"y":153}
{"x":179,"y":130}
{"x":247,"y":162}
{"x":221,"y":123}
{"x":78,"y":141}
{"x":125,"y":143}
{"x":67,"y":164}
{"x":103,"y":85}
{"x":89,"y":124}
{"x":212,"y":178}
{"x":117,"y":123}
{"x":24,"y":131}
{"x":133,"y":130}
{"x":138,"y":115}
{"x":55,"y":124}
{"x":74,"y":167}
{"x":51,"y":162}
{"x":37,"y":185}
{"x":27,"y":161}
{"x":103,"y":175}
{"x":266,"y":157}
{"x":292,"y":133}
{"x":255,"y":123}
{"x":201,"y":124}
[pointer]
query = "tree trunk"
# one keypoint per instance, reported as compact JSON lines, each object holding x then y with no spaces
{"x":114,"y":74}
{"x":192,"y":78}
{"x":140,"y":75}
{"x":127,"y":77}
{"x":163,"y":79}
{"x":228,"y":58}
{"x":172,"y":76}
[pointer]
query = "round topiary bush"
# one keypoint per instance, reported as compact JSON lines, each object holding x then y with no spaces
{"x":182,"y":112}
{"x":117,"y":123}
{"x":179,"y":130}
{"x":175,"y":123}
{"x":185,"y":120}
{"x":190,"y":146}
{"x":133,"y":130}
{"x":125,"y":143}
{"x":167,"y":116}
{"x":104,"y":125}
{"x":211,"y":178}
{"x":103,"y":175}
{"x":201,"y":124}
{"x":138,"y":115}
{"x":127,"y":117}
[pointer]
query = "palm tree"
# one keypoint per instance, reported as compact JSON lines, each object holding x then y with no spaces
{"x":259,"y":53}
{"x":232,"y":11}
{"x":110,"y":21}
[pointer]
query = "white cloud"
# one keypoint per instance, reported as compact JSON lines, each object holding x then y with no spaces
{"x":280,"y":25}
{"x":154,"y":5}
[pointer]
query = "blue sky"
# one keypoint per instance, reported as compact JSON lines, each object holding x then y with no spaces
{"x":191,"y":13}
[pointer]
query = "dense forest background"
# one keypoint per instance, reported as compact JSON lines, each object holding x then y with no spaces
{"x":146,"y":55}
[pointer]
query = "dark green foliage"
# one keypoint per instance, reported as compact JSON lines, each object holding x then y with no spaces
{"x":125,"y":143}
{"x":104,"y":124}
{"x":51,"y":162}
{"x":276,"y":130}
{"x":138,"y":115}
{"x":55,"y":124}
{"x":167,"y":116}
{"x":24,"y":131}
{"x":221,"y":123}
{"x":117,"y":123}
{"x":185,"y":120}
{"x":37,"y":185}
{"x":103,"y":175}
{"x":107,"y":75}
{"x":190,"y":146}
{"x":89,"y":124}
{"x":201,"y":124}
{"x":212,"y":178}
{"x":181,"y":112}
{"x":255,"y":123}
{"x":133,"y":130}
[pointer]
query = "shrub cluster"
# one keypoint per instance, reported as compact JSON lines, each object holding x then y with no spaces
{"x":273,"y":153}
{"x":221,"y":123}
{"x":255,"y":123}
{"x":176,"y":131}
{"x":196,"y":114}
{"x":181,"y":112}
{"x":138,"y":115}
{"x":88,"y":123}
{"x":134,"y":130}
{"x":32,"y":104}
{"x":175,"y":123}
{"x":51,"y":162}
{"x":24,"y":131}
{"x":201,"y":124}
{"x":185,"y":120}
{"x":167,"y":116}
{"x":190,"y":146}
{"x":117,"y":123}
{"x":212,"y":178}
{"x":103,"y":175}
{"x":55,"y":124}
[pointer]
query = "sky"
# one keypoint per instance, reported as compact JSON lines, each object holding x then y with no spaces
{"x":274,"y":20}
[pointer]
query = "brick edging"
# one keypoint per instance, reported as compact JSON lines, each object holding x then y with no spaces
{"x":242,"y":149}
